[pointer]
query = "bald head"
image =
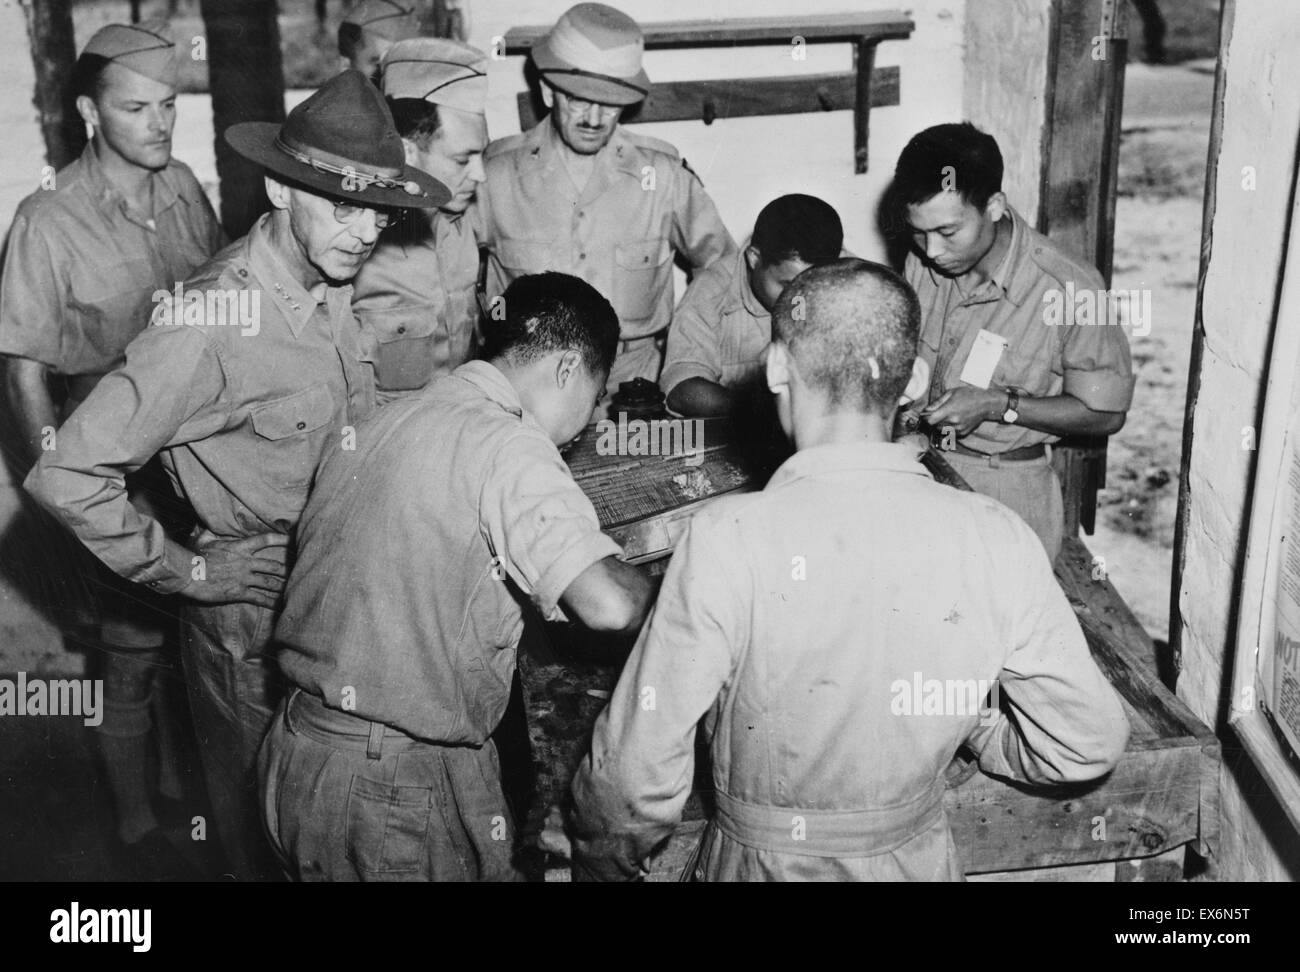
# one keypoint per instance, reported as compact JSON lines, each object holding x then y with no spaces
{"x":851,"y":328}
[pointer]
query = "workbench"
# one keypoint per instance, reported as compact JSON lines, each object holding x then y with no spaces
{"x":1162,"y":795}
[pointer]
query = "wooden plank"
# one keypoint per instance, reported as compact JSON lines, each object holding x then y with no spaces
{"x":1149,"y":804}
{"x":747,"y":30}
{"x":1123,"y":648}
{"x":742,"y":97}
{"x":864,"y":60}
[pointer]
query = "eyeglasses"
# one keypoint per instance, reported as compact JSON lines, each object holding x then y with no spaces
{"x":580,"y":106}
{"x":348,"y":212}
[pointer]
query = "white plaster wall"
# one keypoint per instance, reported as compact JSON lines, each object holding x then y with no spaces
{"x":1261,"y":111}
{"x":1006,"y":88}
{"x":747,"y":162}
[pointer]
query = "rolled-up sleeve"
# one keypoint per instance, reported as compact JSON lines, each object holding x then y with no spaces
{"x":1060,"y":721}
{"x":1097,"y":365}
{"x":162,"y":396}
{"x":693,"y":340}
{"x":539,"y":523}
{"x":630,"y":790}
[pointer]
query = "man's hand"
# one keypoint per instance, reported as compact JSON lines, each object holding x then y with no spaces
{"x":251,"y":570}
{"x":965,"y":408}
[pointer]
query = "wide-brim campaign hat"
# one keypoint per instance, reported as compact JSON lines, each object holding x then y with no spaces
{"x":594,"y":52}
{"x":341,"y":142}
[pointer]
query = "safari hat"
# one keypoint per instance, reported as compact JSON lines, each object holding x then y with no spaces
{"x":594,"y":52}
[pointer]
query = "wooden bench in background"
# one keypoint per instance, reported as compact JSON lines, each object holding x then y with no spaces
{"x":863,"y":88}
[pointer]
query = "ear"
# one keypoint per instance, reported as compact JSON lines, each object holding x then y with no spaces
{"x":997,"y":206}
{"x":777,"y":367}
{"x":88,"y":110}
{"x":548,"y":96}
{"x":752,"y":257}
{"x":918,"y":383}
{"x":277,"y":192}
{"x":411,"y":150}
{"x":568,"y":367}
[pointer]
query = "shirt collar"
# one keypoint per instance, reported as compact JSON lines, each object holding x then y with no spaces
{"x":619,"y":153}
{"x":862,"y":456}
{"x":111,"y":199}
{"x":492,"y":383}
{"x":1008,"y":279}
{"x":294,"y":303}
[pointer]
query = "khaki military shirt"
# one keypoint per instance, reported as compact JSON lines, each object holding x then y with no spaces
{"x":1089,"y":361}
{"x":81,"y":266}
{"x":804,"y":624}
{"x":619,"y":233}
{"x":415,"y":295}
{"x":241,"y":412}
{"x":416,"y":549}
{"x":720,"y":330}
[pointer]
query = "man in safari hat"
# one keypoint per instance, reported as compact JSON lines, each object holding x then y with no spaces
{"x":250,"y":367}
{"x":370,"y":29}
{"x":85,"y":253}
{"x":579,"y":194}
{"x":416,"y":292}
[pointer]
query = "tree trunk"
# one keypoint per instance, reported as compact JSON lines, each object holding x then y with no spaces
{"x":247,"y":84}
{"x":49,"y":30}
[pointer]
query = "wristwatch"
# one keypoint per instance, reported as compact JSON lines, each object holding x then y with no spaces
{"x":1012,"y":412}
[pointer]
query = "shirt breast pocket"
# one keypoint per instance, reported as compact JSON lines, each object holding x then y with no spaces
{"x":526,"y":256}
{"x":1023,"y":371}
{"x":117,"y":295}
{"x":406,"y":347}
{"x":290,"y":430}
{"x":641,"y":271}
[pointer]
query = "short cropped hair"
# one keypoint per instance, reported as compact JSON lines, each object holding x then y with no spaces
{"x":351,"y":38}
{"x":840,"y":319}
{"x":955,"y":157}
{"x":551,"y":311}
{"x":88,"y":75}
{"x":798,"y":227}
{"x":415,"y":119}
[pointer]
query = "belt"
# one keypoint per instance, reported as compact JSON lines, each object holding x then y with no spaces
{"x":625,"y":343}
{"x":1023,"y":454}
{"x":828,"y":833}
{"x":306,"y":714}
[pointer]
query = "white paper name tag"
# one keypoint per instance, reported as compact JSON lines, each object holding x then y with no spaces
{"x":984,"y":356}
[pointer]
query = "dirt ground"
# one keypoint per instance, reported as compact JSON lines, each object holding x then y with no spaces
{"x":1157,"y":246}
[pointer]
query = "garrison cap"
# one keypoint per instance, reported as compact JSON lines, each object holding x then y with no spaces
{"x":443,"y":72}
{"x":146,"y":48}
{"x":388,"y":19}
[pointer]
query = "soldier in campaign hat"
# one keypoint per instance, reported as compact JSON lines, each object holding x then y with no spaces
{"x":85,"y":253}
{"x":251,"y":367}
{"x":416,"y":292}
{"x":572,"y":193}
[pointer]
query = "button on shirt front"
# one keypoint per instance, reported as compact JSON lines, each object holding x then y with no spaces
{"x":1086,"y":358}
{"x":415,"y":295}
{"x":415,"y":547}
{"x":82,"y":267}
{"x":240,"y":412}
{"x":619,"y":232}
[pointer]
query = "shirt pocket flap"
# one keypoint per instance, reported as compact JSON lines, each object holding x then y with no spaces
{"x":303,"y":411}
{"x":642,"y":254}
{"x":527,"y":255}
